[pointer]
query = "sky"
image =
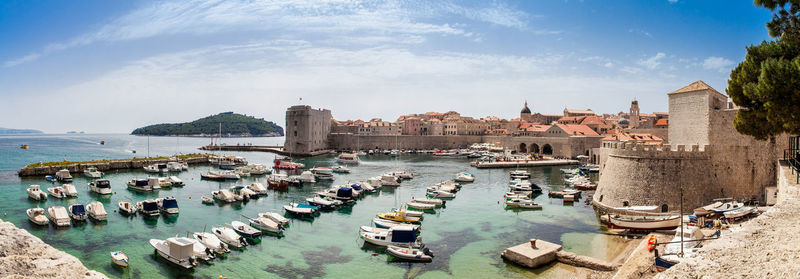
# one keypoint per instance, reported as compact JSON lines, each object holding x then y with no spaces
{"x":113,"y":66}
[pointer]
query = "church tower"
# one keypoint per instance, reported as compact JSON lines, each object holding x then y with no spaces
{"x":634,"y":117}
{"x":525,"y":114}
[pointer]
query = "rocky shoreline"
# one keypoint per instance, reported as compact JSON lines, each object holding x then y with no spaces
{"x":765,"y":247}
{"x":23,"y":255}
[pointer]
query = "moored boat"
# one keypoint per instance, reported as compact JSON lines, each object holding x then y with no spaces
{"x":277,"y":218}
{"x":148,"y":207}
{"x":410,"y":254}
{"x":212,"y":242}
{"x":100,"y":186}
{"x":77,"y":212}
{"x":58,"y":215}
{"x":177,"y":250}
{"x":126,"y":208}
{"x":63,"y":175}
{"x":464,"y":177}
{"x":397,"y":236}
{"x":229,"y":236}
{"x":399,"y":217}
{"x":92,"y":172}
{"x":245,"y":230}
{"x":167,"y":205}
{"x":37,"y":216}
{"x":302,"y":210}
{"x":645,"y":222}
{"x":385,"y":224}
{"x":96,"y":211}
{"x":119,"y":258}
{"x":420,"y":206}
{"x":35,"y":193}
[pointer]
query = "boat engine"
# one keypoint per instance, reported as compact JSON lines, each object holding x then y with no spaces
{"x":427,"y":251}
{"x":242,"y":241}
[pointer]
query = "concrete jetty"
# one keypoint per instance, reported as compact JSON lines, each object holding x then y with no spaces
{"x":105,"y":165}
{"x":539,"y":252}
{"x":524,"y":164}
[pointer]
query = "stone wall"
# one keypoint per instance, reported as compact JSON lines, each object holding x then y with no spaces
{"x":346,"y":142}
{"x":307,"y":129}
{"x":568,"y":147}
{"x":689,"y":118}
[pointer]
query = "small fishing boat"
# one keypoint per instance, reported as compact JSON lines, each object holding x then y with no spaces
{"x":244,"y":192}
{"x":77,"y":212}
{"x":403,"y":174}
{"x":420,"y":206}
{"x":69,"y":190}
{"x":167,"y":205}
{"x":410,"y":213}
{"x":257,"y":169}
{"x":727,"y":206}
{"x":568,"y":198}
{"x":35,"y":193}
{"x":100,"y":186}
{"x":92,"y":172}
{"x":464,"y":177}
{"x":705,"y":210}
{"x":126,"y":208}
{"x":177,"y":166}
{"x":96,"y":211}
{"x":322,"y":173}
{"x":207,"y":200}
{"x":410,"y":254}
{"x":156,"y":168}
{"x":340,"y":169}
{"x":385,"y":224}
{"x":57,"y":192}
{"x":178,"y":250}
{"x":226,"y":174}
{"x":585,"y":186}
{"x":120,"y":259}
{"x":520,"y":174}
{"x":398,"y":236}
{"x":303,"y":210}
{"x":321,"y":203}
{"x":200,"y":251}
{"x":148,"y":207}
{"x":175,"y":181}
{"x":245,"y":230}
{"x":37,"y":216}
{"x":517,"y":195}
{"x":561,"y":194}
{"x":58,"y":215}
{"x":212,"y":242}
{"x":63,"y":175}
{"x":265,"y":224}
{"x":229,"y":236}
{"x":258,"y":188}
{"x":142,"y":185}
{"x":441,"y":194}
{"x":277,"y":218}
{"x":639,"y":208}
{"x":307,"y":177}
{"x":224,"y":195}
{"x":278,"y":181}
{"x":521,"y":187}
{"x":522,"y":203}
{"x":436,"y":202}
{"x":645,"y":222}
{"x":50,"y":178}
{"x":24,"y":146}
{"x":739,"y":212}
{"x":389,"y":179}
{"x":211,"y":176}
{"x":347,"y":158}
{"x":399,"y":217}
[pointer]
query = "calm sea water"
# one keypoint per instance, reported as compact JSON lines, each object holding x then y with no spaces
{"x":467,"y":236}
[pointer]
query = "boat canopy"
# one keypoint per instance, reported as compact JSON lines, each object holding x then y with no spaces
{"x":169,"y":203}
{"x":149,"y":206}
{"x":302,"y":205}
{"x":404,"y":234}
{"x":141,"y":182}
{"x":344,"y":192}
{"x":356,"y":187}
{"x":102,"y":183}
{"x":78,"y":209}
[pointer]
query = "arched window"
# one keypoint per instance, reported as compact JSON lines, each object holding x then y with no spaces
{"x":625,"y":203}
{"x":664,"y":208}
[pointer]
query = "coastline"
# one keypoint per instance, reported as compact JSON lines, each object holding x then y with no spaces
{"x":23,"y":255}
{"x":214,"y":135}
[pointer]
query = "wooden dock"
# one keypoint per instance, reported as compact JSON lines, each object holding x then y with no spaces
{"x":524,"y":164}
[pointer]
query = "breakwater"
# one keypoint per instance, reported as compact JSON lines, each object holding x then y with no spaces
{"x":106,"y":165}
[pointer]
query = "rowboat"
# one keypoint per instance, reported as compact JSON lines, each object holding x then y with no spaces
{"x":645,"y":222}
{"x":421,"y":206}
{"x":740,"y":212}
{"x":410,"y":254}
{"x":119,"y":258}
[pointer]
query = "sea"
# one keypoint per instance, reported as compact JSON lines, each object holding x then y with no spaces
{"x":466,"y":237}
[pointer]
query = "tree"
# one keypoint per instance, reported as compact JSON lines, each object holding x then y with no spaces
{"x":766,"y":85}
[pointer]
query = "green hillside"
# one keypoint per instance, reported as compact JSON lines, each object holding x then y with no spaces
{"x":232,"y":124}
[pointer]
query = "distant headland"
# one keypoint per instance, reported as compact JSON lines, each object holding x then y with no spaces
{"x":6,"y":131}
{"x":232,"y":124}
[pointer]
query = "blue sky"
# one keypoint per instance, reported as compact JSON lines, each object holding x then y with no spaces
{"x":111,"y":66}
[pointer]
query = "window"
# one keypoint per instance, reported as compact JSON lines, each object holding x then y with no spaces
{"x":625,"y":203}
{"x":295,"y":133}
{"x":664,"y":208}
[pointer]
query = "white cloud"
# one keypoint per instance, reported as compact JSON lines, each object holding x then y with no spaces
{"x":717,"y":63}
{"x":652,"y":62}
{"x":608,"y":65}
{"x":24,"y":59}
{"x":673,"y":1}
{"x":631,"y":70}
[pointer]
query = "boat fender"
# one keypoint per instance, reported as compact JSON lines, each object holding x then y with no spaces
{"x":651,"y":243}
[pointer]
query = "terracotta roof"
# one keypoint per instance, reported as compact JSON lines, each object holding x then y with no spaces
{"x":577,"y":119}
{"x":579,"y":111}
{"x":577,"y":130}
{"x":537,"y":128}
{"x":593,"y":120}
{"x":639,"y":137}
{"x":662,"y":122}
{"x":695,"y":86}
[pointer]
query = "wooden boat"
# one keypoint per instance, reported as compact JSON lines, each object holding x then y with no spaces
{"x":421,"y":206}
{"x":245,"y":230}
{"x":126,"y":208}
{"x":568,"y":198}
{"x":561,"y":194}
{"x":728,"y":206}
{"x":646,"y":222}
{"x":705,"y":210}
{"x":739,"y":212}
{"x":640,"y":208}
{"x":36,"y":215}
{"x":585,"y":186}
{"x":120,"y":259}
{"x":385,"y":224}
{"x":399,"y":217}
{"x":410,"y":254}
{"x":436,"y":202}
{"x":661,"y":263}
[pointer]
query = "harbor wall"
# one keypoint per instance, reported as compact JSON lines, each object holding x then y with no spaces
{"x":566,"y":147}
{"x":23,"y":255}
{"x":347,"y":142}
{"x":112,"y":165}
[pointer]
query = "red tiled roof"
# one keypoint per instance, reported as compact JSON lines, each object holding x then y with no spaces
{"x":662,"y":122}
{"x":577,"y":130}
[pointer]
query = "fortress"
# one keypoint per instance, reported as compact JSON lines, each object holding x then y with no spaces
{"x":705,"y":159}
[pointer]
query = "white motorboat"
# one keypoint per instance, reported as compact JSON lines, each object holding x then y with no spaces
{"x":323,"y":203}
{"x":397,"y":236}
{"x":245,"y":230}
{"x":126,"y":208}
{"x":178,"y":250}
{"x":96,"y":211}
{"x":437,"y":202}
{"x":58,"y":215}
{"x":200,"y":251}
{"x":168,"y":205}
{"x":35,"y":192}
{"x":100,"y":186}
{"x":517,"y":195}
{"x":92,"y":172}
{"x":300,"y":209}
{"x":143,"y":185}
{"x":739,"y":212}
{"x":224,"y":195}
{"x":347,"y":158}
{"x":410,"y":254}
{"x":727,"y":206}
{"x":277,"y":218}
{"x":520,"y":174}
{"x":77,"y":212}
{"x":242,"y":171}
{"x":175,"y":181}
{"x":265,"y":224}
{"x":148,"y":207}
{"x":257,"y":169}
{"x":207,"y":200}
{"x":522,"y":203}
{"x":244,"y":192}
{"x":645,"y":222}
{"x":37,"y":216}
{"x":689,"y":241}
{"x":375,"y":182}
{"x":410,"y":213}
{"x":156,"y":168}
{"x":403,"y":174}
{"x":212,"y":242}
{"x":464,"y":177}
{"x":120,"y":259}
{"x":521,"y":187}
{"x":389,"y":180}
{"x":367,"y":186}
{"x":229,"y":236}
{"x":322,"y":173}
{"x":439,"y":194}
{"x":340,"y":169}
{"x":640,"y":208}
{"x":258,"y":188}
{"x":69,"y":190}
{"x":307,"y":177}
{"x":63,"y":175}
{"x":177,"y":166}
{"x":448,"y":186}
{"x":162,"y":182}
{"x":385,"y":224}
{"x":421,"y":206}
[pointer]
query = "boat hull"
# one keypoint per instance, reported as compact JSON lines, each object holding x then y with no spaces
{"x":641,"y":224}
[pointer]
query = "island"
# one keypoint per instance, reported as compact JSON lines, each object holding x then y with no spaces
{"x":232,"y":125}
{"x":7,"y":131}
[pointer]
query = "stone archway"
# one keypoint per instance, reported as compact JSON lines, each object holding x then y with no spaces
{"x":533,"y":148}
{"x":547,"y":149}
{"x":522,"y":148}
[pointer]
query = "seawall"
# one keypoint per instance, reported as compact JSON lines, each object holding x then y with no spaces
{"x":23,"y":255}
{"x":79,"y":167}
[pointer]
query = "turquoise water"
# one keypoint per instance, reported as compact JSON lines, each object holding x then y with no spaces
{"x":467,"y":236}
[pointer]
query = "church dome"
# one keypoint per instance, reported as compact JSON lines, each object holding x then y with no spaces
{"x":526,"y":109}
{"x":623,"y":121}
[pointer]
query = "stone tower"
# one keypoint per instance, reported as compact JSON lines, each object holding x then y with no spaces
{"x":634,"y":118}
{"x":690,"y":110}
{"x":525,"y":114}
{"x":307,"y":129}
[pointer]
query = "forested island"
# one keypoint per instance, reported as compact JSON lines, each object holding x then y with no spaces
{"x":233,"y":124}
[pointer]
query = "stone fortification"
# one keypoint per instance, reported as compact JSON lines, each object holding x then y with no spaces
{"x":23,"y":255}
{"x":107,"y":166}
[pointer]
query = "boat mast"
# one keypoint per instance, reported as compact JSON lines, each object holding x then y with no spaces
{"x":681,"y":212}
